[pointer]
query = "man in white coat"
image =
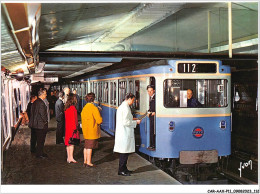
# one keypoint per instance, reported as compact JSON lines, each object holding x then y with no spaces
{"x":124,"y":136}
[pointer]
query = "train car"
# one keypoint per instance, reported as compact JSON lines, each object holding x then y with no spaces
{"x":184,"y":135}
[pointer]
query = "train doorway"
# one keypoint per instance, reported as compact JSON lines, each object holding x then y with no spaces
{"x":152,"y":117}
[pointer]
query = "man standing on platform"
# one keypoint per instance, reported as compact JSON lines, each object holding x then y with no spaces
{"x":78,"y":100}
{"x":39,"y":122}
{"x":33,"y":134}
{"x":60,"y":118}
{"x":124,"y":136}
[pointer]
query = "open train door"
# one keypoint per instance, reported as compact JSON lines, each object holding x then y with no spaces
{"x":151,"y":125}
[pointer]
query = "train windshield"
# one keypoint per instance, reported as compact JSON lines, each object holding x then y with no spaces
{"x":202,"y":93}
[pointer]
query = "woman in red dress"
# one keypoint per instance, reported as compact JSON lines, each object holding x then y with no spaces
{"x":71,"y":123}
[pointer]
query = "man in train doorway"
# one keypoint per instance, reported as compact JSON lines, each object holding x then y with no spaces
{"x":151,"y":93}
{"x":124,"y":135}
{"x":39,"y":122}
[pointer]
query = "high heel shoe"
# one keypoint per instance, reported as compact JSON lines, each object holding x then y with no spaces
{"x":72,"y":162}
{"x":86,"y":165}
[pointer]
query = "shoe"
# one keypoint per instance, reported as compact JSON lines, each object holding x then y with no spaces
{"x":91,"y":166}
{"x":41,"y":157}
{"x":72,"y":162}
{"x":124,"y":173}
{"x":33,"y":151}
{"x":129,"y":171}
{"x":151,"y":148}
{"x":45,"y":155}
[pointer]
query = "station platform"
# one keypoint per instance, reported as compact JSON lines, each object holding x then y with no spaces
{"x":22,"y":167}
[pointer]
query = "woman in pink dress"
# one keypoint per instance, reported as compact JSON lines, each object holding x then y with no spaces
{"x":71,"y":123}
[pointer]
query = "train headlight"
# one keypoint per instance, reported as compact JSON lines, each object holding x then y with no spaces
{"x":171,"y":126}
{"x":222,"y":124}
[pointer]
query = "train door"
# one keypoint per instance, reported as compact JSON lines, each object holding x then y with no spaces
{"x":152,"y":117}
{"x":112,"y":105}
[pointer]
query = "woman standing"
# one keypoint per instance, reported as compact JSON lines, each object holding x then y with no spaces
{"x":71,"y":123}
{"x":91,"y":120}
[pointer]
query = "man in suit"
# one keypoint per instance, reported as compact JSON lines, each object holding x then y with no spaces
{"x":39,"y":122}
{"x":78,"y":100}
{"x":151,"y":93}
{"x":60,"y":118}
{"x":33,"y":134}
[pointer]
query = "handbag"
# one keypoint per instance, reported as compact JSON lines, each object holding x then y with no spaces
{"x":75,"y":139}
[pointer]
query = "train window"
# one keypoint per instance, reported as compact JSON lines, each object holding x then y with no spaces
{"x":91,"y":87}
{"x":206,"y":93}
{"x":122,"y":91}
{"x":95,"y":90}
{"x":83,"y":90}
{"x":137,"y":95}
{"x":131,"y":87}
{"x":100,"y":92}
{"x":111,"y":93}
{"x":106,"y":92}
{"x":114,"y":89}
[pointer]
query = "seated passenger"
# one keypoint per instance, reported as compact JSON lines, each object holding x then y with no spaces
{"x":191,"y":101}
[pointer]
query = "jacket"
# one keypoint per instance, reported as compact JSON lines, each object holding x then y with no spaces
{"x":39,"y":117}
{"x":90,"y":118}
{"x":59,"y":110}
{"x":124,"y":135}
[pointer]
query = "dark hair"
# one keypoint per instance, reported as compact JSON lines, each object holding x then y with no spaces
{"x":129,"y":95}
{"x":72,"y":101}
{"x":41,"y":91}
{"x":90,"y":97}
{"x":32,"y":97}
{"x":61,"y":94}
{"x":150,"y":86}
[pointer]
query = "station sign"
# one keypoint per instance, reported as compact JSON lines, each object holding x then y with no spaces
{"x":51,"y":79}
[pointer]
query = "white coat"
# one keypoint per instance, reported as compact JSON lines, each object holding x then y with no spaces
{"x":124,"y":135}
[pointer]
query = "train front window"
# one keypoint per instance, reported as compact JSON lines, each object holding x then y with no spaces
{"x":203,"y":93}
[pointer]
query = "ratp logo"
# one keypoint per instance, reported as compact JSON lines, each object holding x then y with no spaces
{"x":198,"y":132}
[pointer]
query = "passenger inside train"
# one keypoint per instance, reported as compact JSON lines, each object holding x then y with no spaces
{"x":191,"y":101}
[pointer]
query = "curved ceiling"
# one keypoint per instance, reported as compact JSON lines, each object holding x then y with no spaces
{"x":128,"y":27}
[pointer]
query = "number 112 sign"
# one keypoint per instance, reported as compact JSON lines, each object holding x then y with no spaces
{"x":197,"y":67}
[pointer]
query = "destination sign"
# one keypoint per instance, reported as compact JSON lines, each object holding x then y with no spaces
{"x":197,"y":67}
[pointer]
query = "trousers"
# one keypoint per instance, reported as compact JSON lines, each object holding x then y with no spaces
{"x":33,"y":140}
{"x":60,"y":132}
{"x":40,"y":140}
{"x":123,"y":157}
{"x":152,"y":132}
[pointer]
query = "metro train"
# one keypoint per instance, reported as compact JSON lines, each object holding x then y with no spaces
{"x":184,"y":136}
